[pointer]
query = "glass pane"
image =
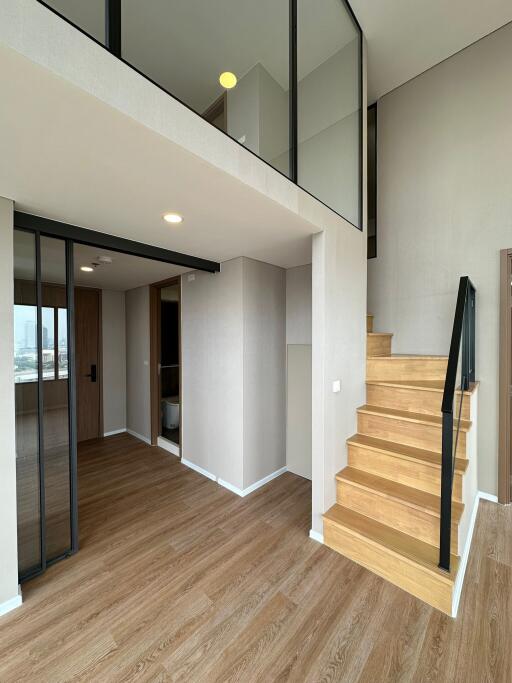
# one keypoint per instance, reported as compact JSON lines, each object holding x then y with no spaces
{"x":329,"y":105}
{"x":26,"y":398}
{"x":48,"y":320}
{"x":170,"y":362}
{"x":55,"y":404}
{"x":89,"y":15}
{"x":62,"y":344}
{"x":185,"y":46}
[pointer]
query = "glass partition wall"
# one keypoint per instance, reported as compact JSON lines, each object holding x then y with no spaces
{"x":281,"y":77}
{"x":44,"y":462}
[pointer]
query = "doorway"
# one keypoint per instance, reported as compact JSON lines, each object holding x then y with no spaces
{"x":166,"y":374}
{"x":505,"y":379}
{"x":45,"y":376}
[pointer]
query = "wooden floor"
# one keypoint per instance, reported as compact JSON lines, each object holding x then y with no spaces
{"x":178,"y":579}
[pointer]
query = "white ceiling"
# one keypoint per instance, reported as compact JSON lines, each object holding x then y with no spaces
{"x":68,"y":156}
{"x":407,"y":37}
{"x":123,"y":273}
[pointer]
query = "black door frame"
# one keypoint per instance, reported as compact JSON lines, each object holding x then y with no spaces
{"x":71,"y":235}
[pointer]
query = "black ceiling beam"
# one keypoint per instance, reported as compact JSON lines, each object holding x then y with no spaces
{"x":94,"y":238}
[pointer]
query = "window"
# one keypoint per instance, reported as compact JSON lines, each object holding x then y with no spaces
{"x":54,"y":343}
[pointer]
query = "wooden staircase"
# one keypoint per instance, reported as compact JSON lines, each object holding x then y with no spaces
{"x":387,"y":513}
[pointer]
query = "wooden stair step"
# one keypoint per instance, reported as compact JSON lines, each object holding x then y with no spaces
{"x":378,"y":343}
{"x":406,"y":367}
{"x":413,"y":498}
{"x":399,"y":558}
{"x":418,"y":418}
{"x":400,"y":450}
{"x":369,"y":323}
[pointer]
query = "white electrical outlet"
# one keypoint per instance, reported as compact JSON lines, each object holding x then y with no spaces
{"x":191,"y":277}
{"x":336,"y":386}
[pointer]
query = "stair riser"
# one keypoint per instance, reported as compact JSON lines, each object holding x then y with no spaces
{"x":408,"y":472}
{"x":418,"y":581}
{"x":405,"y":369}
{"x":396,"y":514}
{"x":412,"y":400}
{"x":415,"y":434}
{"x":369,"y":323}
{"x":378,"y":346}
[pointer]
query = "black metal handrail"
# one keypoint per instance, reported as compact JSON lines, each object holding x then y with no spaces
{"x":463,"y":339}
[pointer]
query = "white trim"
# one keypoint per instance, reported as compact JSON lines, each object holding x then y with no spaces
{"x":139,"y":436}
{"x":245,"y":492}
{"x":459,"y":581}
{"x":11,"y":604}
{"x":230,"y":487}
{"x":487,"y":496}
{"x":195,"y":467}
{"x":168,"y":446}
{"x":115,"y":431}
{"x":316,"y":536}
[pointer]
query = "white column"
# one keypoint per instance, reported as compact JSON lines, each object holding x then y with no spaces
{"x":8,"y":531}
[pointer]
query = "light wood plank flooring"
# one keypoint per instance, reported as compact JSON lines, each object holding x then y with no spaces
{"x":180,"y":580}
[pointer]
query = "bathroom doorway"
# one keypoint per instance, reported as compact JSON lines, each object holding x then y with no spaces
{"x":166,"y":365}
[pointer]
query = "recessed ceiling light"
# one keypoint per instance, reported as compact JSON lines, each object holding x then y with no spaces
{"x":173,"y":218}
{"x":227,"y":80}
{"x":86,"y":269}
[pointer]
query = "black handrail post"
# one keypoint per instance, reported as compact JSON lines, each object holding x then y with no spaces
{"x":113,"y":26}
{"x":445,"y":526}
{"x":472,"y":332}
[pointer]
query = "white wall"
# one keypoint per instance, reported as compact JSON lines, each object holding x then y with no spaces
{"x":212,"y":373}
{"x":298,"y":370}
{"x":233,"y":355}
{"x":298,"y":305}
{"x":138,"y":395}
{"x":339,"y":352}
{"x":445,"y":210}
{"x":8,"y":519}
{"x":114,"y":360}
{"x":264,"y":315}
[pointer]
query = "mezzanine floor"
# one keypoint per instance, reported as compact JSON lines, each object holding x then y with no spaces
{"x":178,"y":579}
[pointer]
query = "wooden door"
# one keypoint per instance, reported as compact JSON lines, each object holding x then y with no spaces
{"x":88,"y":363}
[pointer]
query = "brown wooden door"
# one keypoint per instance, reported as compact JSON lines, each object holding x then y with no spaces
{"x":88,"y":363}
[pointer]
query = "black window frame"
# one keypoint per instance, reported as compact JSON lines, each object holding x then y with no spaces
{"x":113,"y":45}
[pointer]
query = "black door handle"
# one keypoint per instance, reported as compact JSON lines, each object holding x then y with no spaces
{"x":92,"y":374}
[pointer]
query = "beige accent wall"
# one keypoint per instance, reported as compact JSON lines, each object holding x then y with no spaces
{"x":264,"y":348}
{"x":138,"y":396}
{"x":233,"y":355}
{"x":114,"y":360}
{"x":8,"y":524}
{"x":445,"y":210}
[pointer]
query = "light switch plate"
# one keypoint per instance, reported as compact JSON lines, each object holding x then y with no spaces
{"x":191,"y":277}
{"x":336,"y":386}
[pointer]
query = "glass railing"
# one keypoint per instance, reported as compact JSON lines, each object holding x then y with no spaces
{"x":281,"y":77}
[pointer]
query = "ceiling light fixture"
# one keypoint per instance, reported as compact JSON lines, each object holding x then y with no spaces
{"x":228,"y":80}
{"x":173,"y":218}
{"x":86,"y":269}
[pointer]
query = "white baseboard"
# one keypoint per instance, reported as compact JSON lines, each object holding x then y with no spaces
{"x":459,"y":581}
{"x":316,"y":536}
{"x":115,"y":431}
{"x":139,"y":436}
{"x":245,"y":492}
{"x":168,"y":446}
{"x":487,"y":496}
{"x":195,"y":467}
{"x":11,"y":604}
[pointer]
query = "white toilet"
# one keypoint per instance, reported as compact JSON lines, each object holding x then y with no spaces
{"x":171,"y":412}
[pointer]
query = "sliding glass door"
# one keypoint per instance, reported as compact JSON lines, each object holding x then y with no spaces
{"x":45,"y":453}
